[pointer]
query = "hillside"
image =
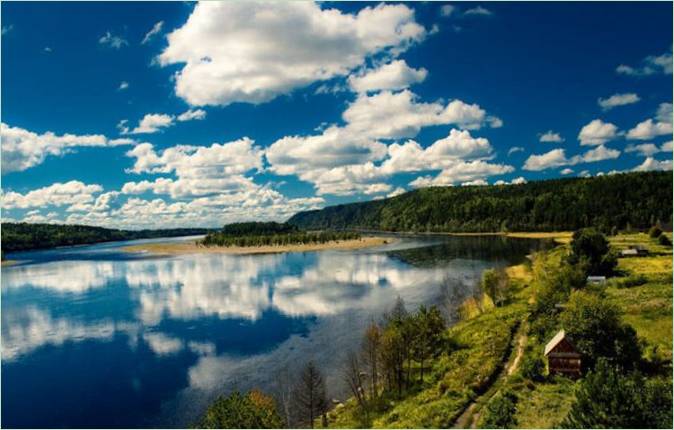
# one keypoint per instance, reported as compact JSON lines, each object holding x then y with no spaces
{"x":491,"y":372}
{"x":25,"y":236}
{"x":629,"y":200}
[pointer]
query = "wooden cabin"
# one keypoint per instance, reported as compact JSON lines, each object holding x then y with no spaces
{"x":563,"y":358}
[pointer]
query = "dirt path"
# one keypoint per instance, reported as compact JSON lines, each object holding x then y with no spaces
{"x":471,"y":415}
{"x":515,"y":363}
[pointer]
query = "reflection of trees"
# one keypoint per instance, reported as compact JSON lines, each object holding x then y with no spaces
{"x":487,"y":248}
{"x":453,"y":293}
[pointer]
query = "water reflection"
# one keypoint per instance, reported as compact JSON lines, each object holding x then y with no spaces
{"x":181,"y":330}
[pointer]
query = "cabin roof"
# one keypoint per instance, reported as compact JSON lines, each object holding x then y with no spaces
{"x":554,"y":341}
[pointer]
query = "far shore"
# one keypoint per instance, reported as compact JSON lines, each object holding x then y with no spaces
{"x":561,"y":237}
{"x":180,"y":248}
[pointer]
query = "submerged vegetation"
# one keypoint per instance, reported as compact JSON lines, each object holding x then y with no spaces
{"x":270,"y":234}
{"x":25,"y":236}
{"x":614,"y":202}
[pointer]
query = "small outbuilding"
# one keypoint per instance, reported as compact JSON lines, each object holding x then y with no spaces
{"x":634,"y":251}
{"x":596,"y":280}
{"x":563,"y":358}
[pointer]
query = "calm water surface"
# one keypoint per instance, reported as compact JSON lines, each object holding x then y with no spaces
{"x":95,"y":337}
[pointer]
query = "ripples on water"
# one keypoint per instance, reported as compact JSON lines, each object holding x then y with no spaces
{"x":95,"y":337}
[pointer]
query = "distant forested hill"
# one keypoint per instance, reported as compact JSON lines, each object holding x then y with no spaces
{"x":629,"y":200}
{"x":25,"y":236}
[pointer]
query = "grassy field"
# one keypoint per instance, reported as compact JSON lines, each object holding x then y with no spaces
{"x":467,"y":375}
{"x":647,"y":307}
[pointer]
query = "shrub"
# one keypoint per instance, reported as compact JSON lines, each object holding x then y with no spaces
{"x":252,"y":410}
{"x":533,"y":367}
{"x":664,"y":240}
{"x":655,"y":232}
{"x":609,"y":398}
{"x":500,"y":412}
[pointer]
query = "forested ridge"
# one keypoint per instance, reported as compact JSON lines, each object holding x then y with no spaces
{"x":25,"y":236}
{"x":620,"y":201}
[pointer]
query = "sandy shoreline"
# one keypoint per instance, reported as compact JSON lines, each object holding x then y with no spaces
{"x":192,"y":248}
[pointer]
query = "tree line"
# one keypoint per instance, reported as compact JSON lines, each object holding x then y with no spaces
{"x":613,"y":202}
{"x":391,"y":362}
{"x":271,"y":234}
{"x":26,"y":236}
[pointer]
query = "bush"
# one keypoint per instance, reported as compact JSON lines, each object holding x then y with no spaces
{"x":533,"y":367}
{"x":500,"y":412}
{"x":655,"y":232}
{"x":252,"y":410}
{"x":664,"y":240}
{"x":609,"y":398}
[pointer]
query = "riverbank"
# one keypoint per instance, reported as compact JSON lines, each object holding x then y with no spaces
{"x":493,"y":346}
{"x":192,"y":247}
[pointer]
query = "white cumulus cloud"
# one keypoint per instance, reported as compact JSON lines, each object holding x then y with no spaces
{"x":550,"y":137}
{"x":396,"y":75}
{"x":618,"y":100}
{"x":597,"y":132}
{"x":58,"y":194}
{"x":648,"y":129}
{"x":253,"y":52}
{"x":22,"y":149}
{"x":651,"y":65}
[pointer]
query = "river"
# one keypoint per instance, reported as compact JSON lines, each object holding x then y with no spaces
{"x":96,"y":337}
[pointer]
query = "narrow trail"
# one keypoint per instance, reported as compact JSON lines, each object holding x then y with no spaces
{"x":471,"y":414}
{"x":522,"y":342}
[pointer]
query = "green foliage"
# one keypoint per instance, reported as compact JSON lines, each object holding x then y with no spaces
{"x":533,"y":366}
{"x":499,"y":412}
{"x":624,"y":200}
{"x":252,"y":410}
{"x":25,"y":236}
{"x":590,"y":250}
{"x":655,"y":232}
{"x":427,"y":341}
{"x":609,"y":398}
{"x":554,"y":280}
{"x":664,"y":240}
{"x":629,"y":282}
{"x":270,"y":234}
{"x":496,"y":285}
{"x":257,"y":229}
{"x":595,"y":327}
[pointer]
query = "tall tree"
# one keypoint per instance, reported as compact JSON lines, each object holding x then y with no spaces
{"x":310,"y":397}
{"x":371,"y":355}
{"x":429,"y":327}
{"x":354,"y":377}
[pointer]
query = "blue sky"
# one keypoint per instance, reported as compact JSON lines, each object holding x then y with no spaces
{"x":143,"y":115}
